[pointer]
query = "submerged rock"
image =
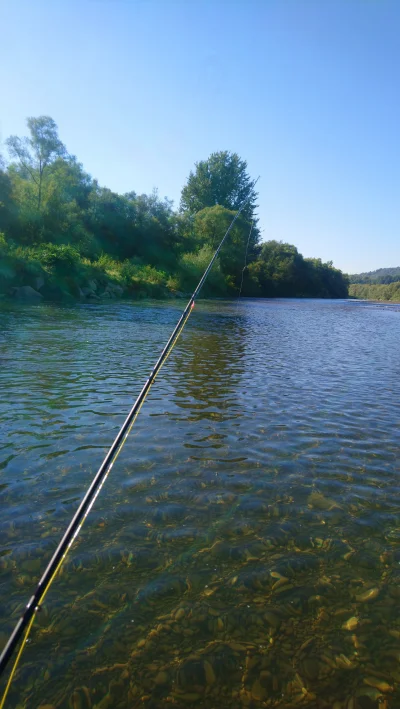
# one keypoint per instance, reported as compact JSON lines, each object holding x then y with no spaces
{"x":161,"y":678}
{"x":350,"y":624}
{"x":369,"y":595}
{"x":318,"y":501}
{"x":80,"y":699}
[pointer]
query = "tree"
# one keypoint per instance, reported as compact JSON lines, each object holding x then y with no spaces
{"x":7,"y":206}
{"x":67,"y":177}
{"x":36,"y":153}
{"x":223,"y":180}
{"x":156,"y":222}
{"x":210,"y":225}
{"x":281,"y":271}
{"x":111,"y":219}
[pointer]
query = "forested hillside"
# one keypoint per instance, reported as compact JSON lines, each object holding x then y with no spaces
{"x":62,"y":235}
{"x":381,"y":275}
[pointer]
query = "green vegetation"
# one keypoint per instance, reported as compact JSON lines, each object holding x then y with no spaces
{"x":64,"y":236}
{"x":281,"y":271}
{"x":381,"y":275}
{"x":389,"y":292}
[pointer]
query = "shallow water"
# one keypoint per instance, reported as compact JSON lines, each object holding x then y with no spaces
{"x":245,"y":550}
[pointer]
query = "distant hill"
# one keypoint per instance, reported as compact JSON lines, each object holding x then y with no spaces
{"x":381,"y":275}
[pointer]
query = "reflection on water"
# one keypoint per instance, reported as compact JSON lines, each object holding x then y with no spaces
{"x":245,"y":551}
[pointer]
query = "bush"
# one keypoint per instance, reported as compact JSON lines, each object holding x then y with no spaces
{"x":192,"y":267}
{"x":18,"y":265}
{"x":173,"y":283}
{"x":62,"y":259}
{"x":143,"y":280}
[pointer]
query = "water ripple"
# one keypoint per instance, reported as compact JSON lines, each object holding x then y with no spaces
{"x":245,"y":550}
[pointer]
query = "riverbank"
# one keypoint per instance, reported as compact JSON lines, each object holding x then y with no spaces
{"x":389,"y":292}
{"x":60,"y":272}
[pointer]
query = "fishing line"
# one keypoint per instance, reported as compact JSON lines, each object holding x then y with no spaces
{"x":24,"y":624}
{"x":244,"y":268}
{"x":245,"y":259}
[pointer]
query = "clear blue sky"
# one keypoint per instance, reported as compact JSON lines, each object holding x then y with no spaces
{"x":307,"y":91}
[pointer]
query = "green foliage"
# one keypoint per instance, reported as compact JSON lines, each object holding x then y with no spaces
{"x":281,"y":271}
{"x":192,"y":267}
{"x":388,"y":292}
{"x":58,"y":259}
{"x":210,"y":225}
{"x":381,"y":275}
{"x":18,"y":265}
{"x":7,"y":208}
{"x":36,"y":152}
{"x":223,"y":180}
{"x":325,"y":281}
{"x":137,"y":278}
{"x":58,"y":226}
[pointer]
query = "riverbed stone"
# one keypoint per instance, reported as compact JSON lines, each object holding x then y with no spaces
{"x":161,"y":678}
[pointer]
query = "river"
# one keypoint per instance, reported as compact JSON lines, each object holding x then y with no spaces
{"x":245,"y":549}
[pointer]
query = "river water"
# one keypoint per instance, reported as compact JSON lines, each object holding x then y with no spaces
{"x":245,"y":550}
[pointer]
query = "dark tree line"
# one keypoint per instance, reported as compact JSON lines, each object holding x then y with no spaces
{"x":57,"y":221}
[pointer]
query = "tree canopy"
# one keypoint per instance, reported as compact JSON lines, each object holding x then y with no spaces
{"x":37,"y":152}
{"x":221,"y":179}
{"x":281,"y":271}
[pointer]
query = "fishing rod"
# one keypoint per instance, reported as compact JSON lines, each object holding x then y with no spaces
{"x":25,"y":622}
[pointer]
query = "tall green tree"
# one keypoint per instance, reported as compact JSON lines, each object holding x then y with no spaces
{"x":111,"y":219}
{"x":210,"y":225}
{"x":155,"y":221}
{"x":37,"y":152}
{"x":7,"y":207}
{"x":222,"y":179}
